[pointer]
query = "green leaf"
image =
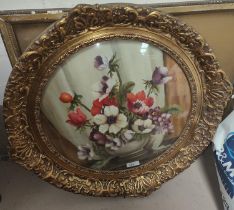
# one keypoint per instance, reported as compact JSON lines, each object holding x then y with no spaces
{"x":112,"y":59}
{"x":174,"y":109}
{"x":152,"y":88}
{"x":126,"y":88}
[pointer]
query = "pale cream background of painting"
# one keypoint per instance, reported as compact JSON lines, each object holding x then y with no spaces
{"x":137,"y":61}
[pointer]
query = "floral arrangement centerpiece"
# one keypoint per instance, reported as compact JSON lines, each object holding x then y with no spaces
{"x":118,"y":116}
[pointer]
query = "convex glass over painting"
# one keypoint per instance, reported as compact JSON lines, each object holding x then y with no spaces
{"x":117,"y":102}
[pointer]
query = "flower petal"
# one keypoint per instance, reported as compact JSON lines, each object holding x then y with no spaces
{"x":128,"y":134}
{"x":147,"y":123}
{"x":99,"y":119}
{"x":163,"y":70}
{"x":139,"y":122}
{"x":114,"y":110}
{"x":114,"y":129}
{"x":102,"y":67}
{"x":149,"y":101}
{"x":110,"y":82}
{"x":121,"y":121}
{"x":101,"y":97}
{"x":141,"y":95}
{"x":107,"y":111}
{"x":85,"y":152}
{"x":91,"y":155}
{"x":147,"y":130}
{"x":95,"y":110}
{"x":135,"y":127}
{"x":117,"y":141}
{"x":103,"y":128}
{"x":166,"y":79}
{"x":108,"y":144}
{"x":101,"y":62}
{"x":111,"y":111}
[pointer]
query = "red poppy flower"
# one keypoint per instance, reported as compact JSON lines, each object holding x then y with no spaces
{"x":77,"y":118}
{"x":138,"y":103}
{"x":98,"y":105}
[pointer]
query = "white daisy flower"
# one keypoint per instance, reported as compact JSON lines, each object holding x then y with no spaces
{"x":111,"y":121}
{"x":143,"y":126}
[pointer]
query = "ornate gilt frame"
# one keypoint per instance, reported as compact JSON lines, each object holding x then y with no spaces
{"x":83,"y":26}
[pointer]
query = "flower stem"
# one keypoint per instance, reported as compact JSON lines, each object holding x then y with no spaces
{"x":84,"y":106}
{"x":149,"y":91}
{"x":77,"y":101}
{"x":119,"y":77}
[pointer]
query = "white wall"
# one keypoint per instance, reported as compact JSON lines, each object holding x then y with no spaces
{"x":5,"y":69}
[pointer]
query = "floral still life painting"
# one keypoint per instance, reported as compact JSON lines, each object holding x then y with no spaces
{"x":120,"y":122}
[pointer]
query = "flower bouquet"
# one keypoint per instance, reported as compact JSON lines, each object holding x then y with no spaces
{"x":120,"y":120}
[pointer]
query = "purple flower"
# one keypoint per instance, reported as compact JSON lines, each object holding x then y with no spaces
{"x":98,"y":137}
{"x":100,"y":62}
{"x":85,"y":152}
{"x":104,"y":87}
{"x":154,"y":113}
{"x":162,"y":121}
{"x":165,"y":123}
{"x":160,"y":76}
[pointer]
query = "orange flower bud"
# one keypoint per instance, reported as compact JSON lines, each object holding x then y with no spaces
{"x":66,"y":97}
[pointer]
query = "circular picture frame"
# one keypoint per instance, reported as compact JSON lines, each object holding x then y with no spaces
{"x":37,"y":140}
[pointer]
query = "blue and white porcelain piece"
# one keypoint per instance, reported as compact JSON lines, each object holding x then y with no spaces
{"x":224,"y":158}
